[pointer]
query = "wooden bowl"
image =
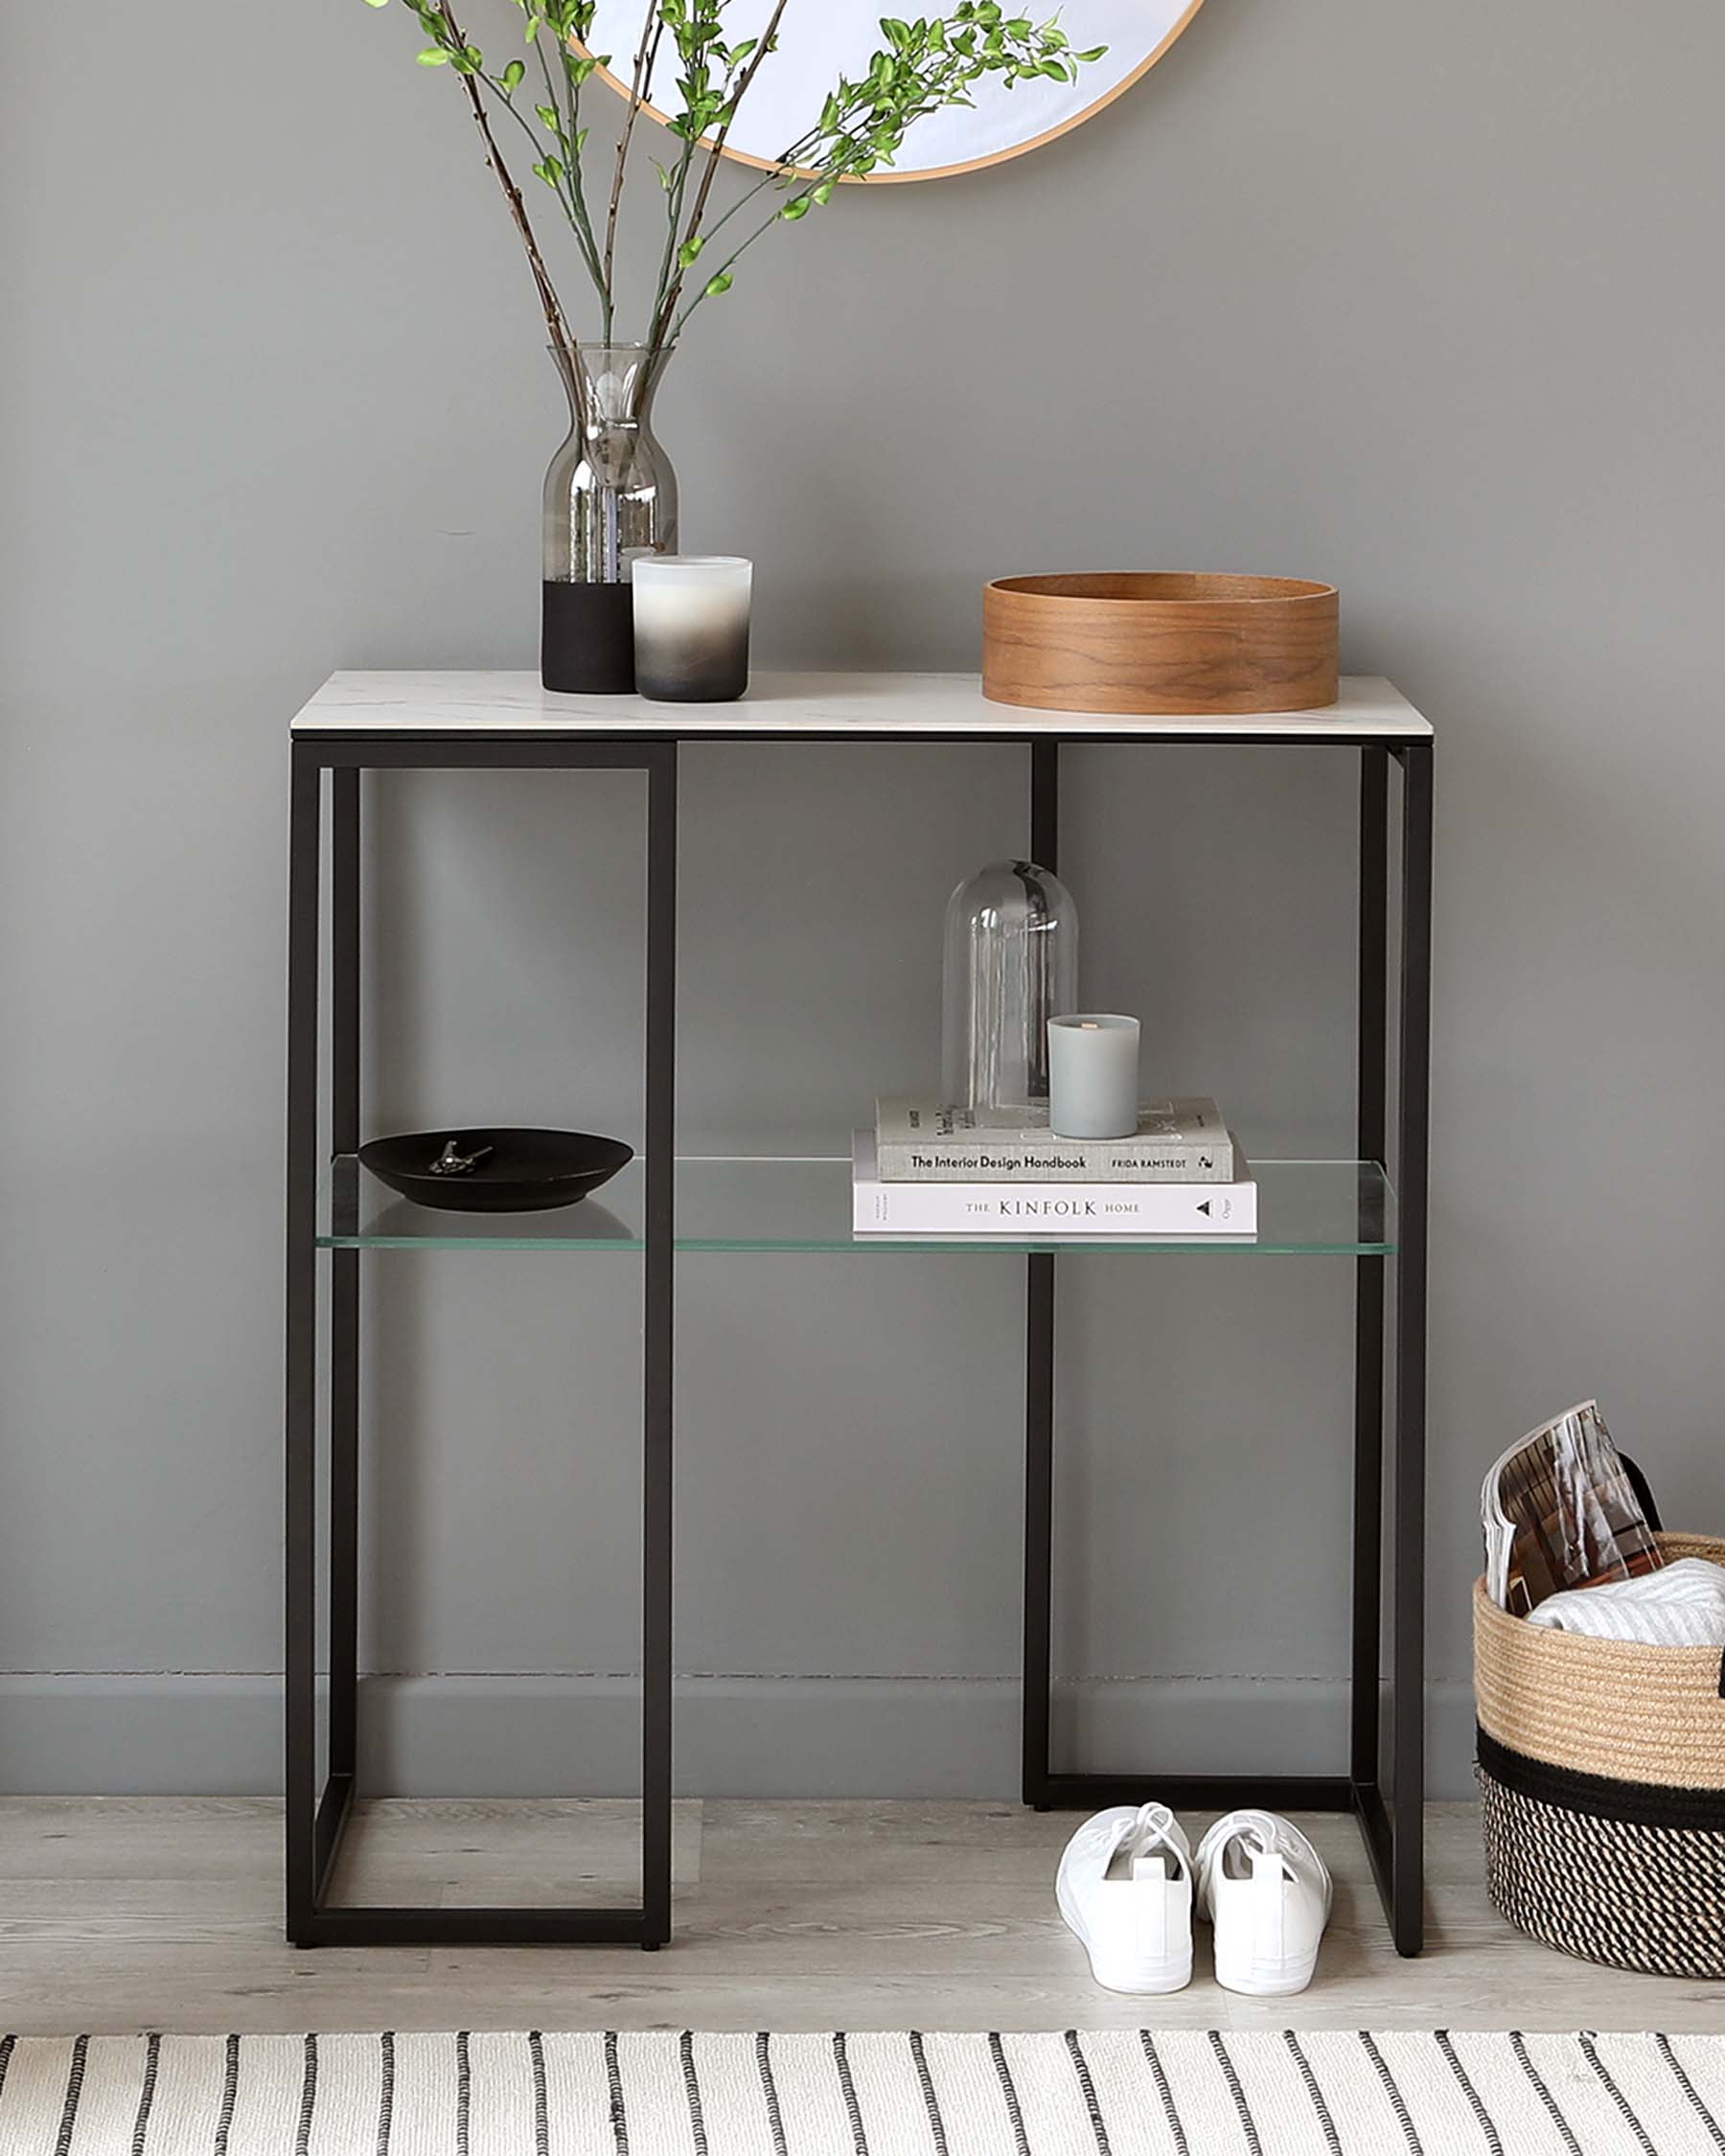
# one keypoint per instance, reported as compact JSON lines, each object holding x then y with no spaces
{"x":1160,"y":643}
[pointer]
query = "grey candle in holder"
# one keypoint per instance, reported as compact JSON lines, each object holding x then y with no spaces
{"x":691,"y":626}
{"x":1092,"y":1075}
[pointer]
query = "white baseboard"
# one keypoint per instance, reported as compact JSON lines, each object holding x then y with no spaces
{"x":736,"y":1736}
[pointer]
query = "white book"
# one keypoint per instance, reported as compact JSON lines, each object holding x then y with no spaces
{"x":1044,"y":1211}
{"x":1176,"y":1142}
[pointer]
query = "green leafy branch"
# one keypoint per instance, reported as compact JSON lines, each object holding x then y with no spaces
{"x":925,"y":66}
{"x":929,"y":65}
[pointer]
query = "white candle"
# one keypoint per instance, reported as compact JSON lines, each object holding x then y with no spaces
{"x":1092,"y":1075}
{"x":691,"y":626}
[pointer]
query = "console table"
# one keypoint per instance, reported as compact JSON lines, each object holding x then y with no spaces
{"x":370,"y":721}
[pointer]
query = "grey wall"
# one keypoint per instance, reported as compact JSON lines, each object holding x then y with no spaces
{"x":1417,"y":299}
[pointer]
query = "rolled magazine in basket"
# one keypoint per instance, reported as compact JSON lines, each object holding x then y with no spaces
{"x":1560,"y":1510}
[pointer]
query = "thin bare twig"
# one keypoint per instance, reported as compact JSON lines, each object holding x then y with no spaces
{"x":572,"y":193}
{"x":726,"y":268}
{"x":564,"y":198}
{"x":674,"y":202}
{"x":561,"y":340}
{"x":668,"y":305}
{"x":652,"y":29}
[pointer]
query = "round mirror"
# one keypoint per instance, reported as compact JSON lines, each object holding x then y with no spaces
{"x":821,"y":39}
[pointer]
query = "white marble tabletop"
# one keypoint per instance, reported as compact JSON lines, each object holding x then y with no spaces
{"x":806,"y":706}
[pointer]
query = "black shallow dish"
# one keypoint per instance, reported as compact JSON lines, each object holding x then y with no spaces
{"x":525,"y":1171}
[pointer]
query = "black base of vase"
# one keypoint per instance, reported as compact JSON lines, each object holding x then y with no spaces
{"x":586,"y":640}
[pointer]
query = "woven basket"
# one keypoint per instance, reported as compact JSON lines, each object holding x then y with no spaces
{"x":1601,"y":1771}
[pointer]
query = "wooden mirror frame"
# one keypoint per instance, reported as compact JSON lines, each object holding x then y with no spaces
{"x":944,"y":172}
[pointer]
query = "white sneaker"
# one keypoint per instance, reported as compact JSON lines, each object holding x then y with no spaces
{"x":1266,"y":1890}
{"x":1126,"y":1886}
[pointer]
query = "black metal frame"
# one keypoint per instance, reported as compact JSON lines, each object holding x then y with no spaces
{"x":1388,"y":1810}
{"x":1390,"y":1818}
{"x":316,"y":1819}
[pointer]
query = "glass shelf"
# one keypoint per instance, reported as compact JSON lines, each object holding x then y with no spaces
{"x":1314,"y":1208}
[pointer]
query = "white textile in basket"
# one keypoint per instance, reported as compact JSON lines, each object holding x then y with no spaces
{"x":1681,"y":1605}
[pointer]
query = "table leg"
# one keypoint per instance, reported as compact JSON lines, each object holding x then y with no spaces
{"x":301,"y":1638}
{"x":1408,"y":1787}
{"x":658,"y":1375}
{"x":344,"y":1281}
{"x":1368,"y":1274}
{"x":1039,"y":1391}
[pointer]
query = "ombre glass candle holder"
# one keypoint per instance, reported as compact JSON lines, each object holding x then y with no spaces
{"x":691,"y":626}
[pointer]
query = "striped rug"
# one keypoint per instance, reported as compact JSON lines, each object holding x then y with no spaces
{"x":1120,"y":2094}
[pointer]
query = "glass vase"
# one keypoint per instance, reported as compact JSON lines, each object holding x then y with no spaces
{"x":1011,"y":965}
{"x":610,"y":495}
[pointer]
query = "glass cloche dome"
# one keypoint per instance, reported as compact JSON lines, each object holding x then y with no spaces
{"x":1011,"y":965}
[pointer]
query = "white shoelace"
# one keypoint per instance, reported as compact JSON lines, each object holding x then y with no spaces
{"x":1268,"y":1832}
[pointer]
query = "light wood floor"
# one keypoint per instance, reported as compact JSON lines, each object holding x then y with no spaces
{"x":122,"y":1913}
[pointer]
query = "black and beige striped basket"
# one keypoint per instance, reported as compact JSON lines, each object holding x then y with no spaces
{"x":1602,"y":1773}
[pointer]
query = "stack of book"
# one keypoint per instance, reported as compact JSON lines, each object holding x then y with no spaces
{"x":927,"y":1170}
